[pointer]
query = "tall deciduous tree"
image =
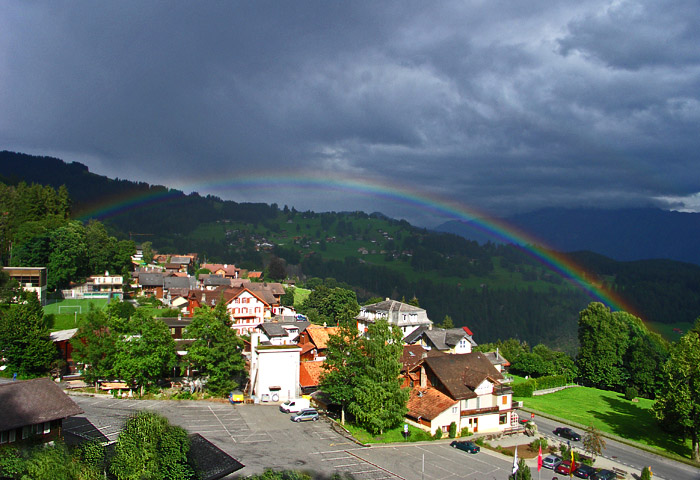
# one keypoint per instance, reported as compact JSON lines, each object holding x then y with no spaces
{"x":603,"y":340}
{"x":379,"y":401}
{"x":95,"y":346}
{"x":149,"y":447}
{"x":146,"y":354}
{"x":68,"y":258}
{"x":344,"y":365}
{"x":24,"y":337}
{"x":678,"y":405}
{"x":216,"y":351}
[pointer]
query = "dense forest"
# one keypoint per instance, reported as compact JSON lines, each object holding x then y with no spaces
{"x":499,"y":291}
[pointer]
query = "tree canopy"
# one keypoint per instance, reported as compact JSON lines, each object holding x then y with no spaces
{"x":678,"y":404}
{"x":216,"y":352}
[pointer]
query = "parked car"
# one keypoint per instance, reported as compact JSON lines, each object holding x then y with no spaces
{"x":306,"y":415}
{"x":564,"y":467}
{"x":295,"y":405}
{"x":566,"y":432}
{"x":551,"y":461}
{"x":467,"y":446}
{"x":584,"y":471}
{"x":604,"y":475}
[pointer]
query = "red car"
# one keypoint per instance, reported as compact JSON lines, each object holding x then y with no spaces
{"x":564,"y":467}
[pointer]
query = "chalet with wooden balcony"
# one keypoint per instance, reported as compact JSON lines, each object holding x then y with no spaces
{"x":465,"y":389}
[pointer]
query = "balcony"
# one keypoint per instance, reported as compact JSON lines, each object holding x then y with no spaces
{"x":478,"y":411}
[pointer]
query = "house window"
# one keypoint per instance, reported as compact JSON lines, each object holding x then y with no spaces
{"x":455,"y":409}
{"x":503,"y":419}
{"x":26,"y":431}
{"x":504,"y":400}
{"x":47,"y":428}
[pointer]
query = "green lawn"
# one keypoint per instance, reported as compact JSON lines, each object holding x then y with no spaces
{"x":394,"y":435}
{"x":611,"y":413}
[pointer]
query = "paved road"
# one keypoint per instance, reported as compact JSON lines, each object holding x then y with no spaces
{"x":633,"y":458}
{"x":260,"y":436}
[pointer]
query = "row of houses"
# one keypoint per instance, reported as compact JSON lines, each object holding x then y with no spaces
{"x":448,"y":382}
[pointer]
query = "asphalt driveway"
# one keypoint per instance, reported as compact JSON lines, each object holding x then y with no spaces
{"x":260,"y":437}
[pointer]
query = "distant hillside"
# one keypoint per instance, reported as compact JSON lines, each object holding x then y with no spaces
{"x":623,"y":234}
{"x":497,"y":290}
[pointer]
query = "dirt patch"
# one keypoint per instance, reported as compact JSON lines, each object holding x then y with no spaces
{"x":523,"y":451}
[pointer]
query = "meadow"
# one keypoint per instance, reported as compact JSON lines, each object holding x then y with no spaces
{"x":611,"y":413}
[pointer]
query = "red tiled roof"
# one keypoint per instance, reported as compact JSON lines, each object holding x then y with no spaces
{"x":310,"y":373}
{"x":428,"y":403}
{"x":319,"y":335}
{"x":469,"y":332}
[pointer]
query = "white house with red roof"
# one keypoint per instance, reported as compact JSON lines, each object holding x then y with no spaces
{"x":247,"y":310}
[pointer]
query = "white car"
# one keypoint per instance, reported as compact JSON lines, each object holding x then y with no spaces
{"x":295,"y":405}
{"x":551,"y":461}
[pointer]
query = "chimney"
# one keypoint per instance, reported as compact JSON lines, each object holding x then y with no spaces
{"x":423,"y":380}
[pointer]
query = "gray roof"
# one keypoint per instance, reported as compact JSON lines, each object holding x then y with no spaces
{"x":151,"y":279}
{"x":415,"y":335}
{"x":29,"y":402}
{"x":209,"y":461}
{"x":179,"y":282}
{"x":175,"y":321}
{"x":396,"y":313}
{"x":181,"y":260}
{"x":446,"y":339}
{"x":215,"y":280}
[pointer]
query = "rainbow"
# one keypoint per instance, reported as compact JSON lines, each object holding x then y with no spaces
{"x":554,"y":261}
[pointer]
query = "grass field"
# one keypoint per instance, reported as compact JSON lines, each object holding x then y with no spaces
{"x":394,"y":435}
{"x":67,"y":317}
{"x":609,"y":412}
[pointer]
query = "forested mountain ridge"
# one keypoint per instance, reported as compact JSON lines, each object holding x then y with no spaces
{"x":497,"y":290}
{"x":623,"y":234}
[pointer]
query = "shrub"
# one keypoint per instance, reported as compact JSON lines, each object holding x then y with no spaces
{"x":438,"y":433}
{"x":631,"y":393}
{"x":479,"y":441}
{"x":524,"y":389}
{"x":453,"y":430}
{"x":537,"y":443}
{"x":465,"y":432}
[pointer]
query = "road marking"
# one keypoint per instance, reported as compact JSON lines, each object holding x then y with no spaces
{"x":222,"y":424}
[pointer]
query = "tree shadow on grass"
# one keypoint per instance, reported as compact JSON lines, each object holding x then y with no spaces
{"x":631,"y":421}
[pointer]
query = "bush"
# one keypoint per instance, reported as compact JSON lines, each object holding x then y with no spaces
{"x":537,"y":443}
{"x":551,"y":381}
{"x":631,"y":393}
{"x":465,"y":432}
{"x":438,"y":433}
{"x":479,"y":441}
{"x":453,"y":430}
{"x":524,"y":389}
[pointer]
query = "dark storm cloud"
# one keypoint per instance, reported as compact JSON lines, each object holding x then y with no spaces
{"x":505,"y":106}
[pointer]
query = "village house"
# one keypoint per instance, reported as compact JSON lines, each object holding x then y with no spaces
{"x":280,"y":333}
{"x":274,"y":371}
{"x":222,"y":270}
{"x":407,"y":317}
{"x":314,"y":342}
{"x":451,"y":340}
{"x":465,"y":389}
{"x":34,"y":410}
{"x":61,"y":339}
{"x":30,"y":279}
{"x":247,"y":310}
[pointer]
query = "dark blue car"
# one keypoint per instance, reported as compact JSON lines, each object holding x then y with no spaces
{"x":467,"y":446}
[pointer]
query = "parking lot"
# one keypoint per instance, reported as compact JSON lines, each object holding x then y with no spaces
{"x":260,"y":437}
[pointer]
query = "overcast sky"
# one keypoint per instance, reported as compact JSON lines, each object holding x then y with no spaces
{"x":498,"y":106}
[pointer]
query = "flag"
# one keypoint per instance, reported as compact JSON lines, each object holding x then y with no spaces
{"x":515,"y":461}
{"x":539,"y":460}
{"x":573,"y":463}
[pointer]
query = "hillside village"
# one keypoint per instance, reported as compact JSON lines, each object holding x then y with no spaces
{"x":285,"y":352}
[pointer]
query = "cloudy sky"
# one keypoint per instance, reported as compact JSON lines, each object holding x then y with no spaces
{"x":496,"y":106}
